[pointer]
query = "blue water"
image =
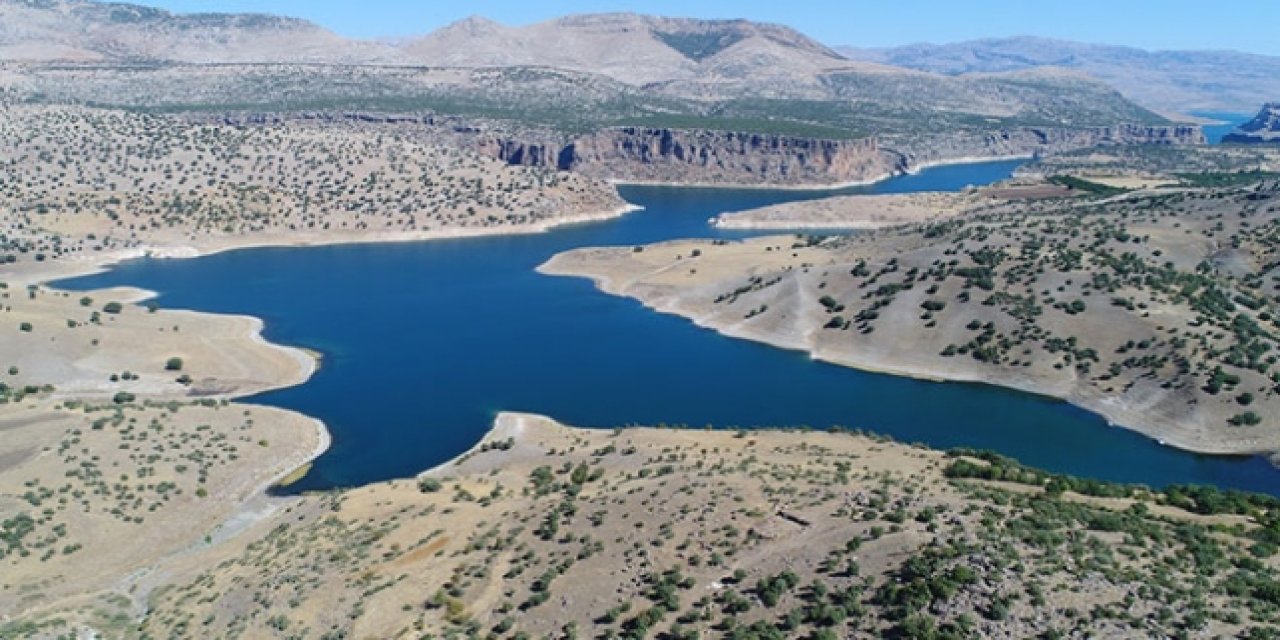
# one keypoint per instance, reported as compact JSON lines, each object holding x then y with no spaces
{"x":433,"y":338}
{"x":1215,"y":132}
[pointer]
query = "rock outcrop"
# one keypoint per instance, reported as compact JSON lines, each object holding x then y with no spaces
{"x":700,"y":156}
{"x":722,"y":157}
{"x":718,"y":157}
{"x":1263,"y":129}
{"x":1034,"y":141}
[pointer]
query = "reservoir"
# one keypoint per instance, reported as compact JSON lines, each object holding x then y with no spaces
{"x":424,"y":342}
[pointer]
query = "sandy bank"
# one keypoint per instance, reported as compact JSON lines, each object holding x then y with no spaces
{"x":852,"y":212}
{"x":185,"y":248}
{"x":913,"y":169}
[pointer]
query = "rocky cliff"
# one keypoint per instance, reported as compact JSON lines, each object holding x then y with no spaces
{"x":1033,"y":141}
{"x":700,"y":156}
{"x":647,"y":154}
{"x":721,"y":157}
{"x":1264,"y":128}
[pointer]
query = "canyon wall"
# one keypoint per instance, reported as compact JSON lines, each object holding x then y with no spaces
{"x":724,"y":157}
{"x":916,"y":151}
{"x":694,"y":156}
{"x":706,"y":157}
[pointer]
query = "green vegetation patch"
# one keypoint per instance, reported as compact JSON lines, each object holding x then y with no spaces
{"x":700,"y":46}
{"x":1086,"y":186}
{"x":1209,"y":179}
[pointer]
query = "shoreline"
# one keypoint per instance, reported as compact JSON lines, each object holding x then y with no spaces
{"x":818,"y":187}
{"x":1113,"y":415}
{"x":79,"y":266}
{"x":258,"y":503}
{"x":509,"y":424}
{"x":74,"y":268}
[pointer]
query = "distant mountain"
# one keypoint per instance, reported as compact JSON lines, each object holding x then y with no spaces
{"x":579,"y":72}
{"x":1181,"y":81}
{"x":638,"y":49}
{"x":1264,"y":128}
{"x":96,"y":32}
{"x":634,"y":49}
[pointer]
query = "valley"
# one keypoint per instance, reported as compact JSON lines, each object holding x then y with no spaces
{"x":933,"y":341}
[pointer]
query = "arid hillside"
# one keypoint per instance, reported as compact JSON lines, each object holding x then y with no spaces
{"x":1154,"y":308}
{"x":547,"y":531}
{"x":88,"y":185}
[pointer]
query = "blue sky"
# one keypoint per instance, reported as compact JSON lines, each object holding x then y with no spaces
{"x":1245,"y":25}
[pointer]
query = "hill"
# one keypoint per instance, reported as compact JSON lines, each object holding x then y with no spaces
{"x":635,"y":49}
{"x":1152,"y":308}
{"x":761,"y":534}
{"x":107,"y":32}
{"x":1264,"y":128}
{"x":1181,"y":81}
{"x":621,"y":68}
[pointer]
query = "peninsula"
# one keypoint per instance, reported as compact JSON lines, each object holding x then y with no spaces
{"x":1152,"y":308}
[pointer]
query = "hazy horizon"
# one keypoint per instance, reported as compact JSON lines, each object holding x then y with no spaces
{"x":1169,"y":25}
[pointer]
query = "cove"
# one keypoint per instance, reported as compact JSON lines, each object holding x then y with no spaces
{"x":424,"y":342}
{"x":1214,"y":133}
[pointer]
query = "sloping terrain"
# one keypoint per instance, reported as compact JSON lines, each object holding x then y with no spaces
{"x":1264,"y":128}
{"x":1177,"y":81}
{"x":547,"y":531}
{"x":109,"y":32}
{"x":632,"y":48}
{"x":85,"y":186}
{"x":579,"y":72}
{"x":1154,"y":309}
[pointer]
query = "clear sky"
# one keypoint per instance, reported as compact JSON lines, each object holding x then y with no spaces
{"x":1244,"y":25}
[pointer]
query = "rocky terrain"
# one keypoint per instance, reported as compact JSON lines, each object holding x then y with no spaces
{"x":1263,"y":129}
{"x":888,"y":210}
{"x":685,"y":55}
{"x":702,"y":156}
{"x":89,"y":186}
{"x":79,"y":31}
{"x":607,"y":71}
{"x":1168,"y":81}
{"x":120,"y":450}
{"x":766,"y":534}
{"x":1153,"y":308}
{"x":710,"y":157}
{"x":621,"y":96}
{"x":1168,"y":164}
{"x":133,"y":483}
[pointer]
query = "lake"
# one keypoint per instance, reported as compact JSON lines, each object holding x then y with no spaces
{"x":1229,"y":121}
{"x":425,"y":342}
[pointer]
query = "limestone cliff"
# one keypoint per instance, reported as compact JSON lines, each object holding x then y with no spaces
{"x":1034,"y":141}
{"x":699,"y":156}
{"x":724,"y":157}
{"x":712,"y":157}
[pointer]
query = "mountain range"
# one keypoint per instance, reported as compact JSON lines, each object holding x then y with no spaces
{"x":631,"y":48}
{"x":1171,"y":81}
{"x":674,"y":56}
{"x":580,"y":72}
